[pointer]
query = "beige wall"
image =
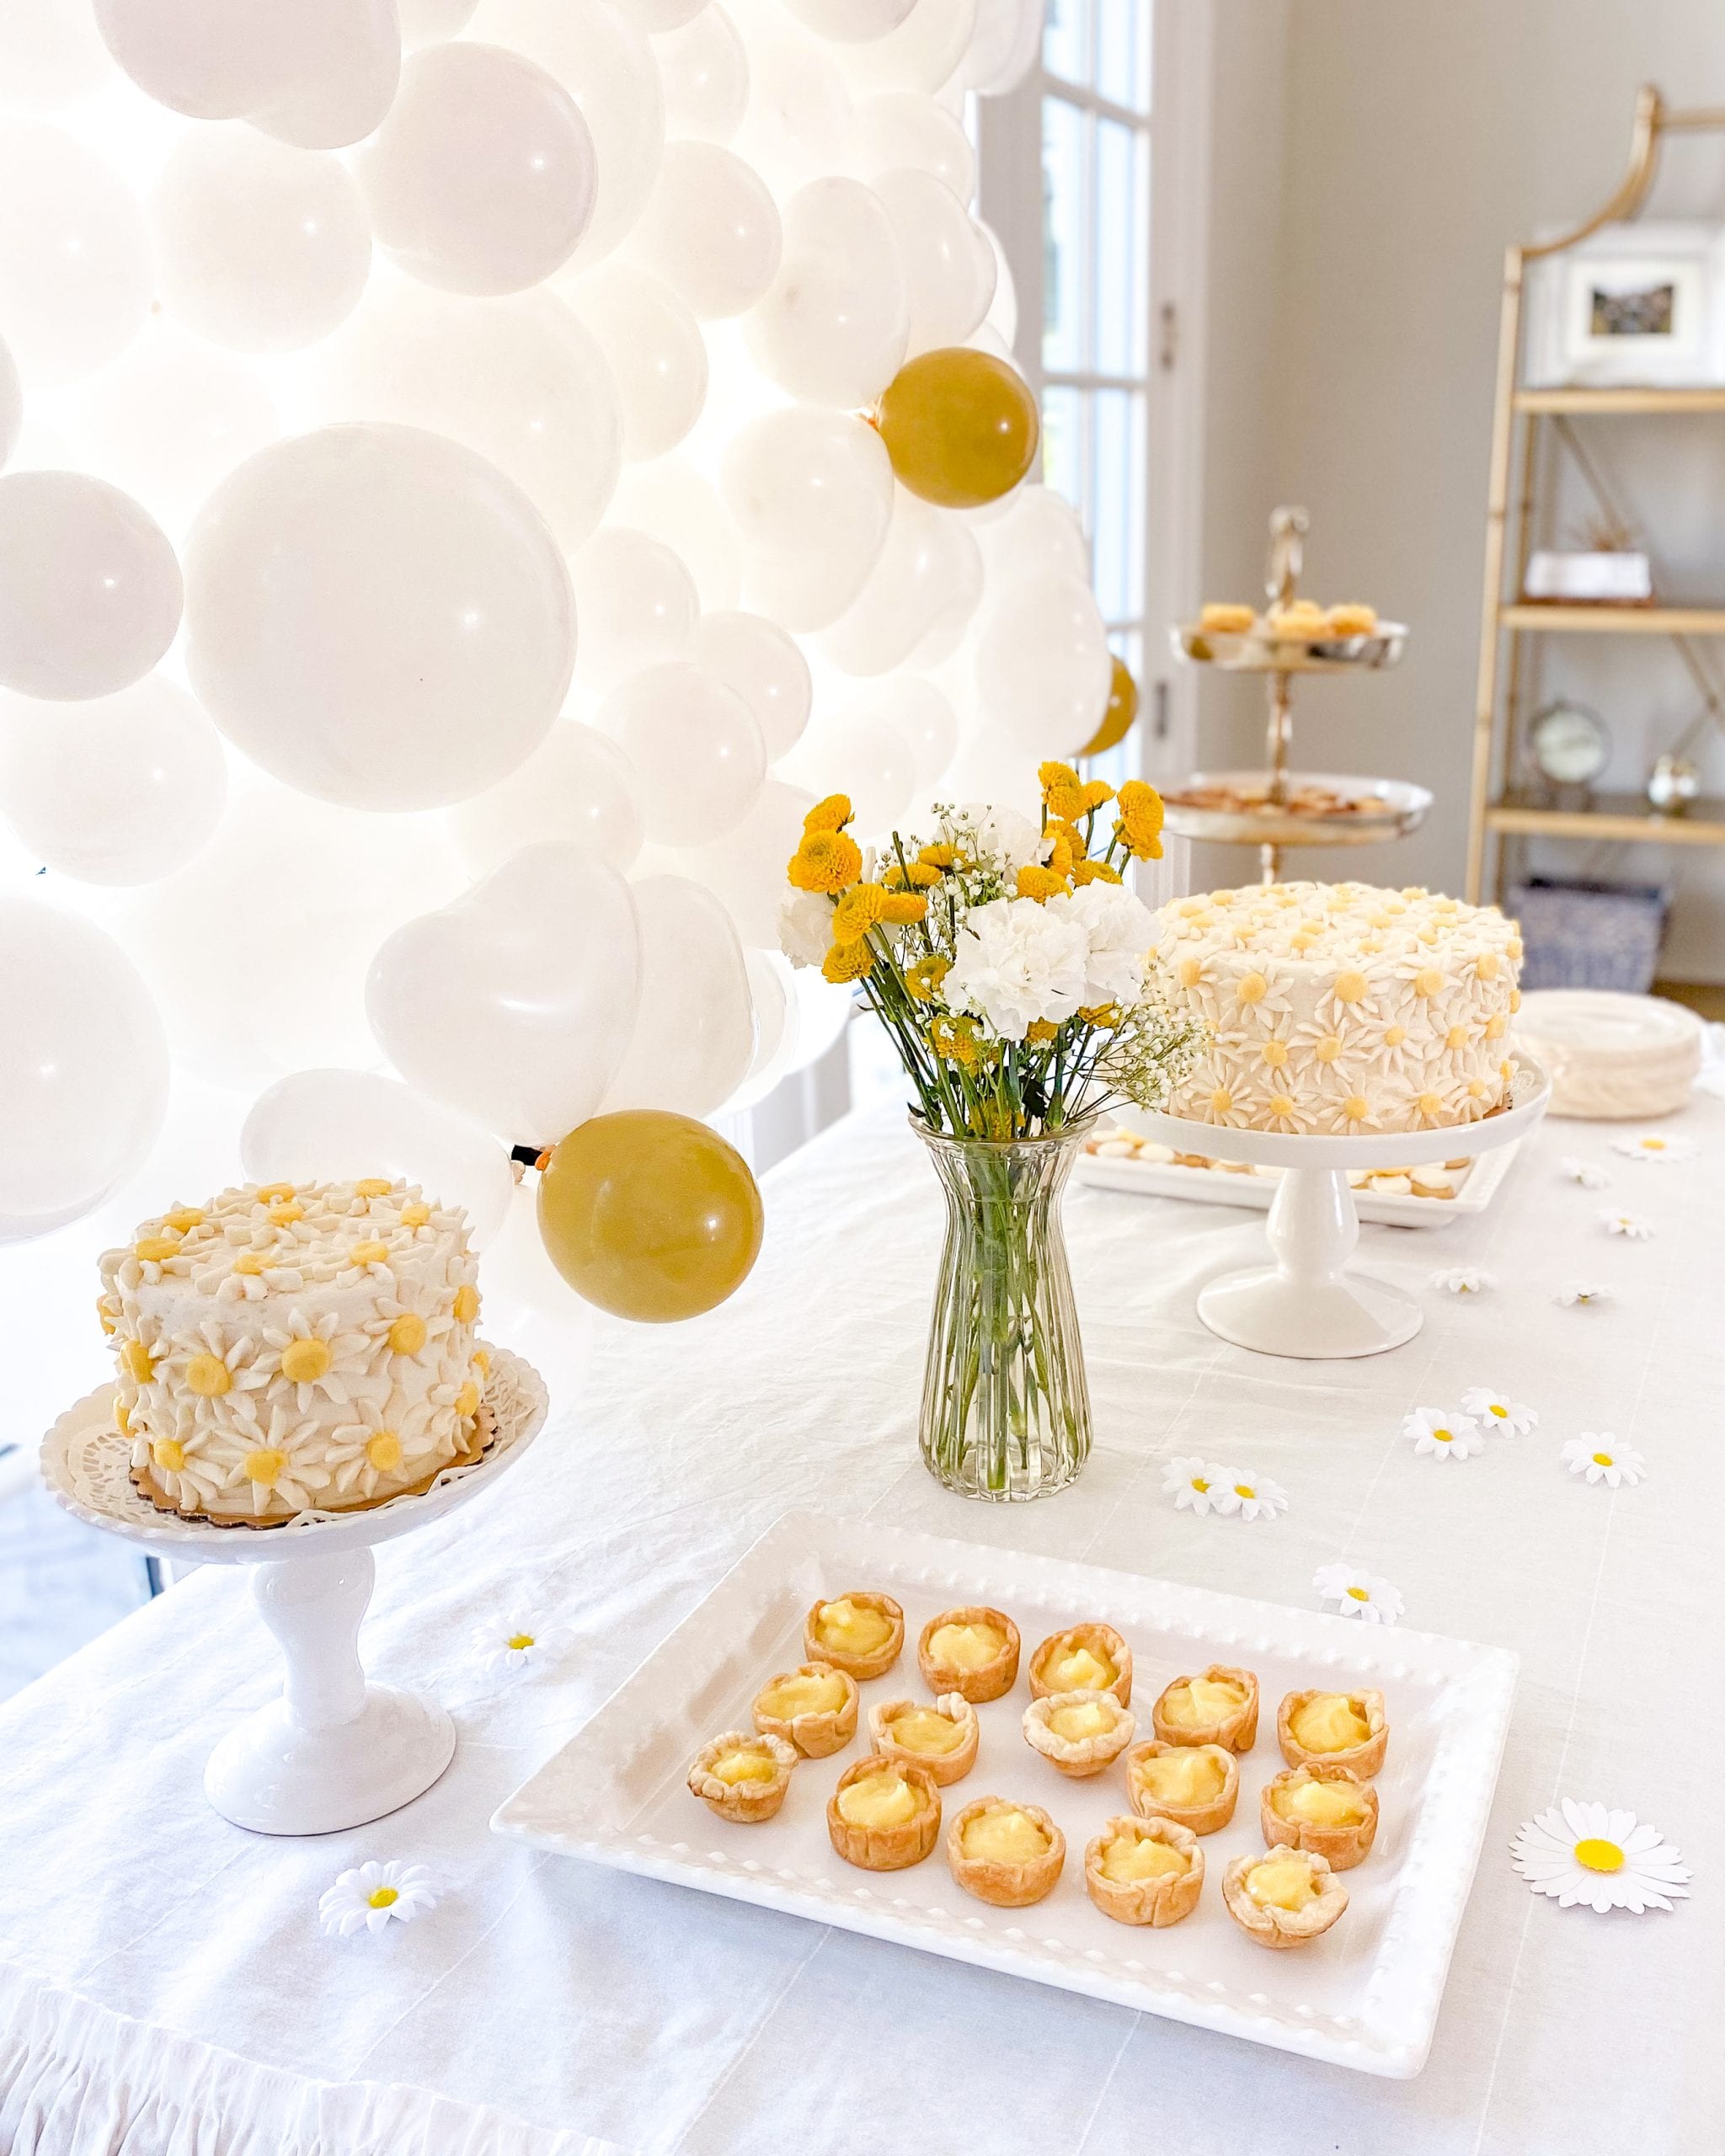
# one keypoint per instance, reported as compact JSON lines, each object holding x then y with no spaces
{"x":1372,"y":159}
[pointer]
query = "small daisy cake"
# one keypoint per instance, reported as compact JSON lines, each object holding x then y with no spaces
{"x":296,"y":1347}
{"x":1339,"y":1008}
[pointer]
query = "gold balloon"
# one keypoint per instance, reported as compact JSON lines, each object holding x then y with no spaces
{"x":1118,"y":714}
{"x":960,"y":427}
{"x":651,"y":1216}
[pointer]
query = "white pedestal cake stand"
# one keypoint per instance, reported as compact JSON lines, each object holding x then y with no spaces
{"x":334,"y":1750}
{"x":1310,"y":1304}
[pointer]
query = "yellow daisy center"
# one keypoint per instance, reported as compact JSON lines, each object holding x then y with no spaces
{"x":1597,"y":1855}
{"x":407,"y":1336}
{"x":248,"y":1265}
{"x":139,"y":1364}
{"x":415,"y":1216}
{"x":466,"y":1402}
{"x":467,"y":1303}
{"x":368,"y":1253}
{"x":520,"y":1641}
{"x":303,"y":1362}
{"x":1653,"y":1144}
{"x":1496,"y":1407}
{"x":1274,"y":1053}
{"x":208,"y":1376}
{"x":1444,"y":1437}
{"x":264,"y":1467}
{"x":275,"y":1193}
{"x":285,"y":1215}
{"x":1327,"y":1049}
{"x":183,"y":1218}
{"x":168,"y":1453}
{"x":155,"y":1250}
{"x":1199,"y":1483}
{"x":1602,"y":1459}
{"x":384,"y":1451}
{"x":1244,"y":1490}
{"x":1253,"y":989}
{"x":1358,"y":1594}
{"x":382,"y":1898}
{"x":371,"y":1186}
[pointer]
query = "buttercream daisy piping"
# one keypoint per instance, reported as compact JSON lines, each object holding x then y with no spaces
{"x":1259,"y":1498}
{"x":1575,"y":1294}
{"x":1441,"y":1436}
{"x":1597,"y":1456}
{"x":374,"y":1896}
{"x":1584,"y":1173}
{"x":508,"y":1645}
{"x":1357,"y":1592}
{"x":1200,"y":1485}
{"x":1602,"y":1857}
{"x":1496,"y":1411}
{"x":1653,"y":1146}
{"x":1627,"y":1225}
{"x":1463,"y":1280}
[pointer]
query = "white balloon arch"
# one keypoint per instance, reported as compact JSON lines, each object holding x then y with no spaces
{"x":444,"y":548}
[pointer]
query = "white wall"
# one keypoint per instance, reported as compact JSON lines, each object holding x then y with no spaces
{"x":1372,"y":162}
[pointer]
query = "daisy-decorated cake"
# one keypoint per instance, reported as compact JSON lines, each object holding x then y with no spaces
{"x":296,"y":1347}
{"x":1339,"y":1008}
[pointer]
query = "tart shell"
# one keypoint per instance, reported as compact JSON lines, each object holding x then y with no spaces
{"x":862,"y":1667}
{"x":1101,"y":1637}
{"x":1235,"y":1732}
{"x":1281,"y":1929}
{"x":817,"y":1735}
{"x":1006,"y":1886}
{"x":993,"y":1680}
{"x":1196,"y":1818}
{"x":1157,"y":1902}
{"x":942,"y":1768}
{"x":1079,"y":1758}
{"x":1365,"y":1760}
{"x":1342,"y":1846}
{"x":886,"y":1848}
{"x":746,"y":1804}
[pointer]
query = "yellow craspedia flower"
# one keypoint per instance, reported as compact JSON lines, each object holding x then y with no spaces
{"x":955,"y":1038}
{"x":920,"y":875}
{"x":1041,"y":1029}
{"x":1066,"y":802}
{"x":849,"y":962}
{"x":936,"y":857}
{"x":857,"y":911}
{"x":1093,"y":872}
{"x":1060,"y":853}
{"x":1039,"y":883}
{"x":829,"y":862}
{"x":1052,"y":777}
{"x":923,"y":980}
{"x":1097,"y":794}
{"x":1104,"y":1016}
{"x":902,"y":909}
{"x":831,"y":815}
{"x":1140,"y":820}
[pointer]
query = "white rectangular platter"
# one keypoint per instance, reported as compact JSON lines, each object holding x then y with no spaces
{"x":1364,"y":1995}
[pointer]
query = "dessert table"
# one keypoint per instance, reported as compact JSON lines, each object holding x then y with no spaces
{"x":165,"y":1988}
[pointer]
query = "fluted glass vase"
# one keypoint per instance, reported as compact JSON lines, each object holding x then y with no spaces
{"x":1006,"y":1411}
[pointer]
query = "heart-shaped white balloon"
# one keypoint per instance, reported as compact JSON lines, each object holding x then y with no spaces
{"x":515,"y":1003}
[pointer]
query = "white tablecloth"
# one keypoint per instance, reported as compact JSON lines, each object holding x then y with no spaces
{"x":164,"y":1987}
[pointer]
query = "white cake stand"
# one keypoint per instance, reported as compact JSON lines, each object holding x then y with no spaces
{"x":1310,"y":1303}
{"x":334,"y":1750}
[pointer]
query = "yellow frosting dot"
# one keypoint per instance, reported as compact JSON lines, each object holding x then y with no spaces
{"x":105,"y":1316}
{"x":1485,"y":966}
{"x":1477,"y":1089}
{"x":373,"y":1187}
{"x":1429,"y":981}
{"x":1350,"y":987}
{"x":1253,"y":987}
{"x":1394,"y":1036}
{"x":208,"y":1376}
{"x":466,"y":1303}
{"x":275,"y":1193}
{"x":1496,"y":1026}
{"x":122,"y":1421}
{"x":303,"y":1362}
{"x":1274,"y":1053}
{"x":285,"y":1215}
{"x":1356,"y":1107}
{"x":415,"y":1215}
{"x":1281,"y":1104}
{"x":1455,"y":1037}
{"x":1515,"y":999}
{"x":168,"y":1453}
{"x":481,"y":1361}
{"x":264,"y":1467}
{"x":369,"y":1253}
{"x":249,"y":1264}
{"x":182,"y":1218}
{"x":1221,"y":1100}
{"x":466,"y":1402}
{"x":384,"y":1451}
{"x":407,"y":1336}
{"x":140,"y":1364}
{"x":155,"y":1250}
{"x":1190,"y":972}
{"x":1329,"y":1050}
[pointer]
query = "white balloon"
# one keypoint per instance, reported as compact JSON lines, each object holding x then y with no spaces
{"x":822,"y":1011}
{"x":655,"y":351}
{"x":864,"y":755}
{"x":89,"y":589}
{"x":50,"y":55}
{"x":636,"y":605}
{"x":694,"y":1031}
{"x":696,"y":746}
{"x":710,"y":229}
{"x":1002,"y":316}
{"x":11,"y":404}
{"x":905,"y":592}
{"x":349,"y":65}
{"x":773,"y":993}
{"x":1043,"y":666}
{"x":924,"y":716}
{"x":705,"y":71}
{"x":1007,"y":38}
{"x":422,"y":20}
{"x":799,"y":121}
{"x":850,"y":22}
{"x":922,"y":54}
{"x":338,"y":1126}
{"x":656,"y":16}
{"x":75,"y":271}
{"x":514,"y":1004}
{"x":83,"y":1066}
{"x":484,"y":177}
{"x":261,"y":247}
{"x":378,"y":616}
{"x":949,"y":265}
{"x":606,"y":65}
{"x":209,"y":59}
{"x":901,"y":129}
{"x":755,"y":658}
{"x":518,"y":380}
{"x":963,"y":591}
{"x":674,"y":502}
{"x":811,"y":492}
{"x":832,"y":328}
{"x":745,"y":869}
{"x":577,"y":785}
{"x":120,"y":790}
{"x":1039,"y":536}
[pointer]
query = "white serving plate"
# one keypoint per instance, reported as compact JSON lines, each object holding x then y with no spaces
{"x":1218,"y":1187}
{"x":1366,"y":1995}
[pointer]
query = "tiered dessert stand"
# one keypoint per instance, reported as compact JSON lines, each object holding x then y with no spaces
{"x":334,"y":1750}
{"x":1277,"y":816}
{"x":1311,"y":1302}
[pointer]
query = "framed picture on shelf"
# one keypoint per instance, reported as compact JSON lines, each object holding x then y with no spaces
{"x":1631,"y":307}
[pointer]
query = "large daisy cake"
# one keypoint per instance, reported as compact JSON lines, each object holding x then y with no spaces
{"x":1341,"y":1009}
{"x":296,"y":1347}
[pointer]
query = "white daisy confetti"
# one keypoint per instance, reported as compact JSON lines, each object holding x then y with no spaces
{"x":1443,"y":1437}
{"x":1201,"y":1485}
{"x":1573,"y":1293}
{"x":1651,"y":1145}
{"x":1584,"y":1173}
{"x":375,"y":1895}
{"x":1597,"y":1454}
{"x":1608,"y":1859}
{"x":1625,"y":1224}
{"x":1359,"y":1593}
{"x":1259,"y":1498}
{"x":507,"y":1646}
{"x":1496,"y":1411}
{"x":1463,"y":1280}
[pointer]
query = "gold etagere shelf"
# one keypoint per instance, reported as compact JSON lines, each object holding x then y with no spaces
{"x":1498,"y":807}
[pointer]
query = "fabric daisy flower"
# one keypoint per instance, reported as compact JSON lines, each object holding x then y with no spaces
{"x":1608,"y":1859}
{"x":1625,"y":1224}
{"x":1496,"y":1411}
{"x":1357,"y":1592}
{"x":1260,"y":1498}
{"x":1574,"y":1293}
{"x":1463,"y":1280}
{"x":1443,"y":1437}
{"x":1200,"y":1485}
{"x":1651,"y":1145}
{"x":373,"y":1896}
{"x":508,"y":1645}
{"x":1597,"y":1454}
{"x":1584,"y":1173}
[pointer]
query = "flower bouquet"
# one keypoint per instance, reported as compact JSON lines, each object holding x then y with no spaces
{"x":1008,"y":962}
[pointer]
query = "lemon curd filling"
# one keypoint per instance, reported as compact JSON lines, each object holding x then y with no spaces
{"x":1138,"y":1857}
{"x":734,"y":1767}
{"x":853,"y":1626}
{"x":1203,"y":1702}
{"x":1182,"y":1778}
{"x":1320,"y":1804}
{"x":1085,"y":1718}
{"x":1005,"y":1837}
{"x":1331,"y":1721}
{"x":922,"y":1729}
{"x":966,"y":1646}
{"x":1282,"y":1882}
{"x":1078,"y":1669}
{"x":883,"y":1798}
{"x":804,"y":1695}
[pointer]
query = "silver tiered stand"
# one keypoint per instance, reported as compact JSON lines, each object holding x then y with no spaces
{"x":334,"y":1750}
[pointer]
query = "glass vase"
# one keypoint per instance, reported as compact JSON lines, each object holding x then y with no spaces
{"x":1006,"y":1410}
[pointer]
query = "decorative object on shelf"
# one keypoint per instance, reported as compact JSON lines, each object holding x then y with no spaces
{"x":1357,"y":1592}
{"x":1568,"y":745}
{"x":1602,"y":1859}
{"x":1674,"y":785}
{"x":1007,"y":963}
{"x":1496,"y":1411}
{"x":373,"y":1896}
{"x":1597,"y":1456}
{"x":1585,"y":935}
{"x":1611,"y":1056}
{"x":1436,"y":1434}
{"x":1603,"y":576}
{"x":1654,"y":1148}
{"x":1629,"y":305}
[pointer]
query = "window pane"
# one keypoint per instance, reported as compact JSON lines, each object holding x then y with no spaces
{"x":1064,"y":463}
{"x":1117,"y":497}
{"x":1122,"y":264}
{"x":1066,"y":38}
{"x":1066,"y":219}
{"x":1122,"y":52}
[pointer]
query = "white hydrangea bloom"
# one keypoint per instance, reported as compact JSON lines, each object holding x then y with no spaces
{"x":805,"y":926}
{"x":1118,"y":930}
{"x":1019,"y":962}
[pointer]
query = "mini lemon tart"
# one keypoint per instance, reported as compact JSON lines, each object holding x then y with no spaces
{"x":1325,"y":1810}
{"x":1282,"y":1899}
{"x":1218,"y":1706}
{"x":1334,"y":1729}
{"x":743,"y":1777}
{"x":973,"y":1651}
{"x":1079,"y":1732}
{"x":1351,"y":621}
{"x":862,"y":1634}
{"x":1144,"y":1871}
{"x":940,"y":1739}
{"x":1005,"y":1853}
{"x":1196,"y":1785}
{"x":884,"y":1814}
{"x":812,"y":1707}
{"x":1087,"y":1658}
{"x":1225,"y":617}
